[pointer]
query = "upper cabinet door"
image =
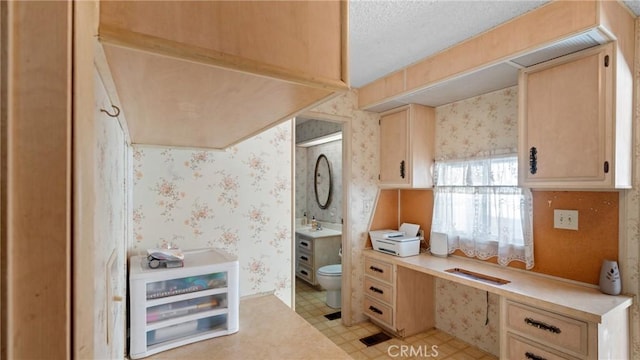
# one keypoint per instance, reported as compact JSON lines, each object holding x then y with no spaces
{"x":394,"y":150}
{"x":407,"y":138}
{"x":567,"y":122}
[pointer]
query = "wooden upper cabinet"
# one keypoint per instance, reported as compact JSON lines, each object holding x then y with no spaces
{"x":407,"y":137}
{"x":212,"y":73}
{"x":569,"y":137}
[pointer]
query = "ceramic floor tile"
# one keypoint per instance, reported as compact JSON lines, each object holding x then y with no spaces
{"x":458,"y":344}
{"x":358,"y":355}
{"x":337,"y":339}
{"x":371,"y":352}
{"x":461,"y":356}
{"x":358,"y":344}
{"x":348,"y":348}
{"x":328,"y":332}
{"x":475,"y":352}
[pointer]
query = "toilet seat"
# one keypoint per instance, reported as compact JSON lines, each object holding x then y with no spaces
{"x":330,"y":270}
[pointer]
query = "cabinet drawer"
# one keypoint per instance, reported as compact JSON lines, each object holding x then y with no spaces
{"x":519,"y":348}
{"x":562,"y":331}
{"x":378,"y":290}
{"x":378,"y":311}
{"x":305,"y":244}
{"x":304,"y":258}
{"x":305,"y":273}
{"x":378,"y":269}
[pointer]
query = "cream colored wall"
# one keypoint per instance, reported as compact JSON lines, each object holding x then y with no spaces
{"x":238,"y":200}
{"x":110,"y":219}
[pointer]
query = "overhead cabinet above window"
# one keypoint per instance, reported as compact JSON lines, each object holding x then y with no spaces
{"x":574,"y":132}
{"x":212,"y":73}
{"x":407,"y":136}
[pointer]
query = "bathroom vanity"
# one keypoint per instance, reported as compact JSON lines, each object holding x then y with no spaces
{"x":315,"y":249}
{"x":540,"y":316}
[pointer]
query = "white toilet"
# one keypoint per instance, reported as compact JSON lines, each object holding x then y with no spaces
{"x":330,"y":278}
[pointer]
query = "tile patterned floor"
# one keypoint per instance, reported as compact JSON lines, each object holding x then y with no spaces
{"x":311,"y":306}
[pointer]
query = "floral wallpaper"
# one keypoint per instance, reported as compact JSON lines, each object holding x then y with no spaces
{"x":311,"y":129}
{"x":301,"y":193}
{"x":238,"y":200}
{"x":308,"y":204}
{"x":479,"y":124}
{"x":463,"y":129}
{"x":305,"y":165}
{"x":468,"y":313}
{"x":363,"y":182}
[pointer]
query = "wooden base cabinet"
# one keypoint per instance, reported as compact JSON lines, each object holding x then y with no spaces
{"x":407,"y":136}
{"x":314,"y":253}
{"x":398,"y":299}
{"x":534,"y":333}
{"x":574,"y":131}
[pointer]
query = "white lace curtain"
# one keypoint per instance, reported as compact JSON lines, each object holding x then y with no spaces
{"x":479,"y":205}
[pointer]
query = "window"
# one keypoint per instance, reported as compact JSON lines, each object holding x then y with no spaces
{"x":480,"y":207}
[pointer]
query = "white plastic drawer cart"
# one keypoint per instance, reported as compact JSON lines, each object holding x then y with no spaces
{"x":178,"y":306}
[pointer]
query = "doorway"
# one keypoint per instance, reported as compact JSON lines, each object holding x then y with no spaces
{"x":321,"y":134}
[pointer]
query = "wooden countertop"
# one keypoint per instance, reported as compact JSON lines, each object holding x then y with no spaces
{"x":570,"y":298}
{"x":269,"y":329}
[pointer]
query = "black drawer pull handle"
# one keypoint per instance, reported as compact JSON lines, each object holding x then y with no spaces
{"x":376,"y":269}
{"x":375,"y":310}
{"x":533,"y":160}
{"x":542,"y":326}
{"x":532,"y":356}
{"x":376,"y":290}
{"x":304,"y":272}
{"x":304,"y":258}
{"x":304,"y":243}
{"x":402,"y":175}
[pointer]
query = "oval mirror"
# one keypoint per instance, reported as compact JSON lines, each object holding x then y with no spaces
{"x":322,"y":182}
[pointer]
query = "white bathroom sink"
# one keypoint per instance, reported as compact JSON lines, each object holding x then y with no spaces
{"x":324,"y":232}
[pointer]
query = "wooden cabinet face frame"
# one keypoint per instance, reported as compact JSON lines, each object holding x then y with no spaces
{"x":567,"y":131}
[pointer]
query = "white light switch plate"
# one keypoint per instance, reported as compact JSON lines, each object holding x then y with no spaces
{"x":565,"y":219}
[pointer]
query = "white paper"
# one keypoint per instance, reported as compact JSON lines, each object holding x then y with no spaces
{"x":410,"y":230}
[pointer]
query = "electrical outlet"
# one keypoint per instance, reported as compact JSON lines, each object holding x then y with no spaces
{"x":565,"y":219}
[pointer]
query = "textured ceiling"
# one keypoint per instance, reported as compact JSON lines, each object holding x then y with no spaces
{"x":387,"y":35}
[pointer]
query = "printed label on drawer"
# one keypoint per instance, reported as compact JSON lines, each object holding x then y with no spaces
{"x":378,"y":311}
{"x":519,"y":348}
{"x":378,"y":269}
{"x":562,"y":331}
{"x":378,"y":290}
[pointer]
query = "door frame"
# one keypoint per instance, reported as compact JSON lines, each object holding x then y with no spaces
{"x":345,"y":121}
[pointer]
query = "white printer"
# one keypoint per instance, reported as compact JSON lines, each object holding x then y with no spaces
{"x":402,"y":242}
